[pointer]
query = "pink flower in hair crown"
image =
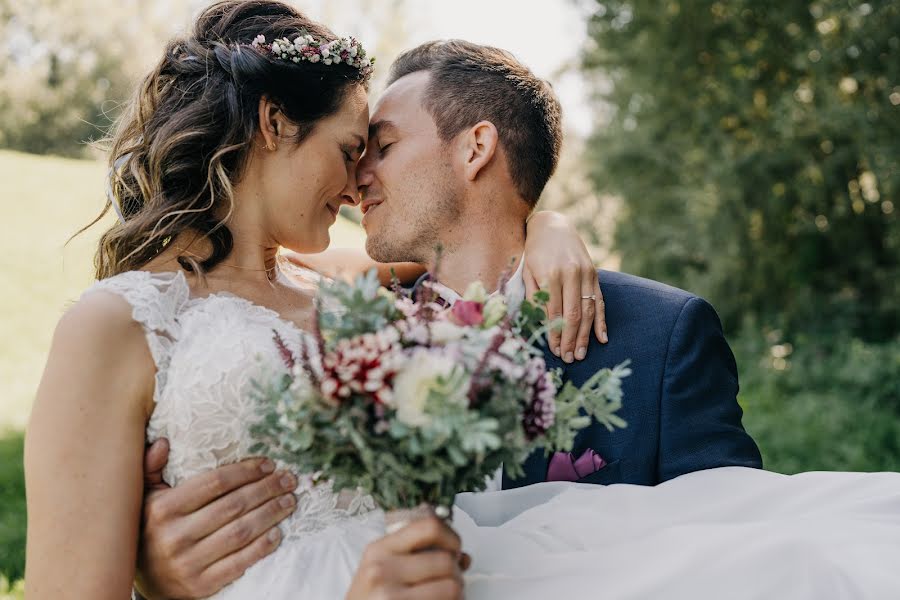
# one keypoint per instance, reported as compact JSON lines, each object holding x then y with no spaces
{"x":306,"y":47}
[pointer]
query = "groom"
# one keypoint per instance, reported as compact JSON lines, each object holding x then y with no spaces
{"x":461,"y":145}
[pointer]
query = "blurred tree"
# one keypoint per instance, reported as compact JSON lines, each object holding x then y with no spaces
{"x":755,"y":146}
{"x":67,"y":66}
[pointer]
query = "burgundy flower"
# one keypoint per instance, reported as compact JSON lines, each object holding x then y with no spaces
{"x":364,"y":365}
{"x":467,"y":313}
{"x":286,"y":355}
{"x":540,"y":414}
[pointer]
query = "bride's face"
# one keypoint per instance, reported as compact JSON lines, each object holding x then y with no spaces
{"x":302,"y":187}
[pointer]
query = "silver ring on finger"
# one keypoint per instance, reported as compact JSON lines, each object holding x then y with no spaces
{"x":591,"y":297}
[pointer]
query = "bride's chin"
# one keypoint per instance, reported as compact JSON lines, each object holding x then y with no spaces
{"x":311,"y":245}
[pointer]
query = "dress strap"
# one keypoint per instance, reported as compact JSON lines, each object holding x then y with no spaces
{"x":156,"y":300}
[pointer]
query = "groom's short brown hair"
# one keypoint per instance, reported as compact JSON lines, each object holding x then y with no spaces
{"x":471,"y":83}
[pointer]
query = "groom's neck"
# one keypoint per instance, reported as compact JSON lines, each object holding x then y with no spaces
{"x":486,"y":247}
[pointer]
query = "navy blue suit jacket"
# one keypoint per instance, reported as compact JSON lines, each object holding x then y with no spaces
{"x":680,"y":402}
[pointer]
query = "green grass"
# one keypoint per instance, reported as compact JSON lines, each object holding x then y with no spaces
{"x":45,"y":201}
{"x":12,"y":509}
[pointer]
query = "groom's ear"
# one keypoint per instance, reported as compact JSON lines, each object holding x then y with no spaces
{"x":479,"y":144}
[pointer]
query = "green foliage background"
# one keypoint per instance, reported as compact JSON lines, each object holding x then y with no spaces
{"x":755,"y":146}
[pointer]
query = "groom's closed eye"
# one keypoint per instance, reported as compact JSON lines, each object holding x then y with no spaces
{"x":381,"y":130}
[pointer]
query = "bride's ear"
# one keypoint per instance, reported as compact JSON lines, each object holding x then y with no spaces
{"x":271,"y":123}
{"x":479,"y":145}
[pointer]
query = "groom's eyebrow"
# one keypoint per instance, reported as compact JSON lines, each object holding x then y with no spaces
{"x":380,"y":127}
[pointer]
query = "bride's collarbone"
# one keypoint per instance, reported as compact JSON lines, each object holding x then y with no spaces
{"x":288,"y":302}
{"x":288,"y":299}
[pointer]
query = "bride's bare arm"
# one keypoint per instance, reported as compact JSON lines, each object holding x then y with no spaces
{"x":83,"y":454}
{"x":349,"y":262}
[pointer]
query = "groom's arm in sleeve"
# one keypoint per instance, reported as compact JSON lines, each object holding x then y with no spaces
{"x":700,"y":418}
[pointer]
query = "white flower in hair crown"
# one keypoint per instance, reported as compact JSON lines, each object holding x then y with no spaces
{"x":309,"y":48}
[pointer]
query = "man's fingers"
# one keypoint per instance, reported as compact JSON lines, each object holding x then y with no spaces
{"x":422,"y":534}
{"x":222,"y":572}
{"x":155,"y":458}
{"x":600,"y":329}
{"x":571,"y":315}
{"x":243,"y":530}
{"x":202,"y":489}
{"x":253,"y":508}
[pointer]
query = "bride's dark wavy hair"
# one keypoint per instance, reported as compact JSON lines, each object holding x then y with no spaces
{"x":186,"y":134}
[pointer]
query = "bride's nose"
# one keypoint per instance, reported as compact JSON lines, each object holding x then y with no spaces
{"x":350,"y":193}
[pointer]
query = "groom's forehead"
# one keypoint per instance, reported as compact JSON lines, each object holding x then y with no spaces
{"x":402,"y":100}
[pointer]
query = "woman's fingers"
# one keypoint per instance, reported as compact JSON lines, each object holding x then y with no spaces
{"x":600,"y":329}
{"x":588,"y":300}
{"x":442,"y":589}
{"x":553,"y":286}
{"x":531,"y":286}
{"x":572,"y":317}
{"x":429,"y":565}
{"x":423,"y":534}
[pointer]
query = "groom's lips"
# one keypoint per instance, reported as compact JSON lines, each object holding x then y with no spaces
{"x":367,"y":204}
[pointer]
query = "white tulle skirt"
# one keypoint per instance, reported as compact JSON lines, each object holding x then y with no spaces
{"x":726,"y":533}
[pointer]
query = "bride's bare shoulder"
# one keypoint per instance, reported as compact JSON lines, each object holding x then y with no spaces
{"x":101,"y":323}
{"x":99,"y":363}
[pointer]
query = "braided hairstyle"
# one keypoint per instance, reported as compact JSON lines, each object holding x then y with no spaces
{"x":186,"y":134}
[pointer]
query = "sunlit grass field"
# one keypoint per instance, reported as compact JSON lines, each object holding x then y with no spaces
{"x":45,"y":201}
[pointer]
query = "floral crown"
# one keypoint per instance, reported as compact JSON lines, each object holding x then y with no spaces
{"x":309,"y":48}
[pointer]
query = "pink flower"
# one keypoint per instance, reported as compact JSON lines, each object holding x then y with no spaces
{"x":467,"y":313}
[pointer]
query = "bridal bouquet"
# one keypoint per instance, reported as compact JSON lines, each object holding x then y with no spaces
{"x":413,"y":402}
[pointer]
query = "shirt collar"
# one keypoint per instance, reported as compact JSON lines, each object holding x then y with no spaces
{"x":515,"y":288}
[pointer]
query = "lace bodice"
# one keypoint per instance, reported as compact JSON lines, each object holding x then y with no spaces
{"x":207,"y":351}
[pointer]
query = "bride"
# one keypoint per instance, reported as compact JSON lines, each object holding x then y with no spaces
{"x":233,"y":150}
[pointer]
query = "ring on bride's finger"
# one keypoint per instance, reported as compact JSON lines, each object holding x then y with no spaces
{"x":591,"y":297}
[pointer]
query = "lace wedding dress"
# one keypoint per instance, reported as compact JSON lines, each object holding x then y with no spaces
{"x":723,"y":533}
{"x":207,"y":350}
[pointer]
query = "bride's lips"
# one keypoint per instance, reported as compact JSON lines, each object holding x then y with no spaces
{"x":332,"y":210}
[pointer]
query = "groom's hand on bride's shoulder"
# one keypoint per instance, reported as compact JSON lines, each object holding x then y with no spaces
{"x":203,"y":534}
{"x":424,"y":560}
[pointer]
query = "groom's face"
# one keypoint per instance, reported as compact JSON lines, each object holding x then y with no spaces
{"x":410,"y":191}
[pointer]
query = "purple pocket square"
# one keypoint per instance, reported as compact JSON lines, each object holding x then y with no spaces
{"x":565,"y":467}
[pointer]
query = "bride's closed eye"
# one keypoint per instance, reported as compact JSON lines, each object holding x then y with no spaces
{"x":382,"y":149}
{"x":350,"y":153}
